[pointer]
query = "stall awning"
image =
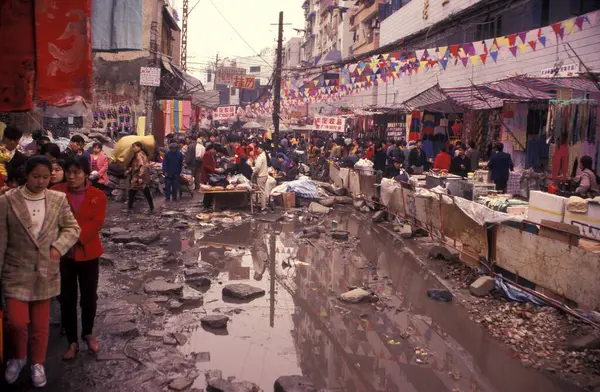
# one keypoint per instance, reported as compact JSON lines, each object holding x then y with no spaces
{"x":582,"y":83}
{"x":517,"y":89}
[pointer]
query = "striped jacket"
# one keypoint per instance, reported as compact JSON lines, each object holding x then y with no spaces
{"x":26,"y":271}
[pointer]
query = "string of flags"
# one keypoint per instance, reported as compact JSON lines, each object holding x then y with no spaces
{"x":384,"y":68}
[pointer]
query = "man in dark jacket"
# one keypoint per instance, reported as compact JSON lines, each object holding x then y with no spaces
{"x":380,"y":157}
{"x":461,"y":164}
{"x":417,"y":158}
{"x":171,"y":167}
{"x":500,"y":166}
{"x":12,"y":136}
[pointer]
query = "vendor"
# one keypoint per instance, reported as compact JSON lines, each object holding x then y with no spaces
{"x":417,"y":158}
{"x":391,"y":171}
{"x":460,"y":164}
{"x":588,"y":181}
{"x":243,"y":167}
{"x":442,"y":160}
{"x":284,"y":165}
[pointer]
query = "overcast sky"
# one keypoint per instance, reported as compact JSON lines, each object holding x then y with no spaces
{"x":209,"y":33}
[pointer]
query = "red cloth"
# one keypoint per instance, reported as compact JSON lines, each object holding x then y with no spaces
{"x":63,"y":51}
{"x":442,"y":161}
{"x":23,"y":317}
{"x":370,"y":152}
{"x":90,"y":218}
{"x":17,"y":48}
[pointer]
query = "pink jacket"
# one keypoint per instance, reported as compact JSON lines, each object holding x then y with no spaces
{"x":102,"y":165}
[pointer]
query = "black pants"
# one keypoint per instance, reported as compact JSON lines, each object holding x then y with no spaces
{"x":501,"y":184}
{"x":133,"y":192}
{"x":86,"y":273}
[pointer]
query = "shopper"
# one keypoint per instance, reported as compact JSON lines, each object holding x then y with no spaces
{"x":588,"y":181}
{"x":139,"y":170}
{"x":442,"y":160}
{"x":75,"y":148}
{"x":80,"y":264}
{"x":37,"y":227}
{"x":417,"y":158}
{"x":460,"y":164}
{"x":58,"y":173}
{"x":261,"y":174}
{"x":171,"y":167}
{"x":473,"y":154}
{"x":500,"y":166}
{"x":99,"y":167}
{"x":17,"y":160}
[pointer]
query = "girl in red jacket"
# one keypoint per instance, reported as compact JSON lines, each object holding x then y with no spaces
{"x":88,"y":204}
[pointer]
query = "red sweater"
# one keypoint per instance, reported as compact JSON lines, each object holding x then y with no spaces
{"x":90,"y":218}
{"x":442,"y":161}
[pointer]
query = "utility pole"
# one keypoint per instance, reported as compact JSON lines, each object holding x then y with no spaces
{"x":184,"y":36}
{"x":277,"y":87}
{"x":216,"y":67}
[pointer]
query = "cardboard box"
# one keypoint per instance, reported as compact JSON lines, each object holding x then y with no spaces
{"x":544,"y":205}
{"x":588,"y":223}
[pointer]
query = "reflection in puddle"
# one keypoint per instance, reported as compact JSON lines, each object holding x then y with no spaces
{"x":299,"y":327}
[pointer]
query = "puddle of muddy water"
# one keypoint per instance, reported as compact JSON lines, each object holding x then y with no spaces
{"x":299,"y":327}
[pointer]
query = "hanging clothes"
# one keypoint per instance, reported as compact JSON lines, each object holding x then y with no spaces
{"x":560,"y":162}
{"x":415,"y":126}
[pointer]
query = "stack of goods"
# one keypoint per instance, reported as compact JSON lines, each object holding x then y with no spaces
{"x":500,"y":203}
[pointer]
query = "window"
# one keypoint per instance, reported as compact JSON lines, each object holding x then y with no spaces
{"x":255,"y":69}
{"x":232,"y":91}
{"x":490,"y":28}
{"x":579,"y":7}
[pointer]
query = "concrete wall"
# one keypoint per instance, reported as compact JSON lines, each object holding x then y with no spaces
{"x":408,"y":19}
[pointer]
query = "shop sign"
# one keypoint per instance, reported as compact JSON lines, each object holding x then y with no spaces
{"x":226,"y":75}
{"x":224,"y":112}
{"x":243,"y":82}
{"x":150,"y":76}
{"x":561,"y":71}
{"x":330,"y":124}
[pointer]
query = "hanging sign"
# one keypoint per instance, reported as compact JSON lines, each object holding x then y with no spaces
{"x":226,"y":75}
{"x":224,"y":112}
{"x":243,"y":82}
{"x":149,"y":76}
{"x":330,"y":124}
{"x":561,"y":71}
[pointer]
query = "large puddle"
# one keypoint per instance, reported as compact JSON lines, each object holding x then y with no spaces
{"x":299,"y":327}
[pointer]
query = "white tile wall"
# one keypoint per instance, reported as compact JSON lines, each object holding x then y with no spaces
{"x":408,"y":19}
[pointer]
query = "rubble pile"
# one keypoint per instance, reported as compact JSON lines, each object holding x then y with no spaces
{"x":542,"y":337}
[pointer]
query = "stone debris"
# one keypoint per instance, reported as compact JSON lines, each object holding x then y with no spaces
{"x":317,"y":208}
{"x":181,"y":338}
{"x":162,"y":287}
{"x":144,"y":237}
{"x":343,"y":200}
{"x":482,"y":286}
{"x":108,"y":260}
{"x":444,"y":253}
{"x":216,"y":321}
{"x":440,"y":295}
{"x":585,"y":342}
{"x":221,"y":385}
{"x":379,"y":216}
{"x":214,"y":374}
{"x":405,"y":231}
{"x":169,"y":340}
{"x":358,"y":204}
{"x":136,"y":246}
{"x":339,"y":235}
{"x":242,"y":291}
{"x":328,"y":202}
{"x":125,"y":330}
{"x":355,"y":296}
{"x":180,"y":384}
{"x":294,"y":384}
{"x":191,"y":295}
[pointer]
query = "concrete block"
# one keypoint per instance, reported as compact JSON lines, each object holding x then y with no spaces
{"x":482,"y":286}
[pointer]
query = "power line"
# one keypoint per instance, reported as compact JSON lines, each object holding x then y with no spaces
{"x":239,"y":35}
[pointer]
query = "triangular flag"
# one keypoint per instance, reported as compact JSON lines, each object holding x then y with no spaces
{"x":579,"y":22}
{"x":523,"y":48}
{"x":523,"y":36}
{"x":513,"y":50}
{"x":442,"y":51}
{"x":494,"y":56}
{"x":454,"y":50}
{"x":512,"y":38}
{"x":569,"y":25}
{"x":532,"y":44}
{"x":444,"y":62}
{"x":419,"y":54}
{"x":489,"y":43}
{"x":556,"y":27}
{"x":474,"y":60}
{"x":483,"y":57}
{"x":465,"y":60}
{"x":542,"y":40}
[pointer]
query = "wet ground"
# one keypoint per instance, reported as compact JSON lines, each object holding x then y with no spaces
{"x":404,"y":342}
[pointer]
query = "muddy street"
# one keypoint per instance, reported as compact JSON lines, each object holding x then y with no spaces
{"x":157,"y":288}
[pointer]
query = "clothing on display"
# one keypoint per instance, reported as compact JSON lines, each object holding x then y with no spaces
{"x":415,"y":126}
{"x":560,"y":162}
{"x":117,"y":25}
{"x":570,"y":121}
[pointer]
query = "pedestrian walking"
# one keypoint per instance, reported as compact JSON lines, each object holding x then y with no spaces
{"x":37,"y":227}
{"x":81,"y":264}
{"x":171,"y":167}
{"x":139,"y":169}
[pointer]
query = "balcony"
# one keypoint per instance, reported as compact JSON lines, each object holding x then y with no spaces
{"x":366,"y":44}
{"x":367,"y":10}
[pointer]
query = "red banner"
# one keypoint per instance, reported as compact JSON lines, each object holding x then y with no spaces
{"x":17,"y":48}
{"x":64,"y":51}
